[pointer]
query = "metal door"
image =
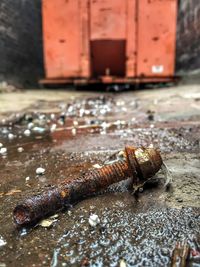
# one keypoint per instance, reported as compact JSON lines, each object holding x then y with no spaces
{"x":112,"y":37}
{"x":156,"y":36}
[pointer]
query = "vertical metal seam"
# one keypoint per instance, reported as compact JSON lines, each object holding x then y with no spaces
{"x":136,"y":36}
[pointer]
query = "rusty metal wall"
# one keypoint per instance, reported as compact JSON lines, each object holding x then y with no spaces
{"x":156,"y":38}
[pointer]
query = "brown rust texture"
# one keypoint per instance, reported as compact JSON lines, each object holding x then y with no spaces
{"x":180,"y":255}
{"x":140,"y":164}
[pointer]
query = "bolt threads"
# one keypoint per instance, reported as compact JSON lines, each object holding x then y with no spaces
{"x":140,"y":164}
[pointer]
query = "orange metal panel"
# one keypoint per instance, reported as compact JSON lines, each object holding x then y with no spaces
{"x":108,"y":19}
{"x":156,"y":37}
{"x":113,"y":37}
{"x":61,"y":27}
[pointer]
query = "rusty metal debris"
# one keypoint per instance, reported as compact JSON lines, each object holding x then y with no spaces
{"x":138,"y":163}
{"x":180,"y":255}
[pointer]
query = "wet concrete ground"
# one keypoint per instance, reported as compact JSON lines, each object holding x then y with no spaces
{"x":72,"y":131}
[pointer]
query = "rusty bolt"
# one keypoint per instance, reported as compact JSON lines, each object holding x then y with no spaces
{"x":138,"y":163}
{"x":180,"y":255}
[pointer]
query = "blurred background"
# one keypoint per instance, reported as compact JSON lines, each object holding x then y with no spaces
{"x":22,"y":40}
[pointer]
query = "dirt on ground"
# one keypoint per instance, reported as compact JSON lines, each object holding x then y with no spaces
{"x":67,"y":133}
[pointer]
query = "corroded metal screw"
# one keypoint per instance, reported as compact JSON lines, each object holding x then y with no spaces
{"x":180,"y":255}
{"x":138,"y":163}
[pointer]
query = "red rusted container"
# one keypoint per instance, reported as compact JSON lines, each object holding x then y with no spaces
{"x":109,"y":41}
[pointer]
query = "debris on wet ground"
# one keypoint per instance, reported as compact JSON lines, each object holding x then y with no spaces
{"x":20,"y":149}
{"x":49,"y":222}
{"x":2,"y":242}
{"x":94,"y":220}
{"x":140,"y":239}
{"x":150,"y":115}
{"x":167,"y":174}
{"x":122,"y":263}
{"x":27,"y":178}
{"x":27,"y":132}
{"x":95,"y":115}
{"x":11,"y":136}
{"x":97,"y":166}
{"x":82,"y":134}
{"x":3,"y":150}
{"x":40,"y":130}
{"x":40,"y":171}
{"x":12,"y":192}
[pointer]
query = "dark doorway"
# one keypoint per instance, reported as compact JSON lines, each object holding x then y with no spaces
{"x":108,"y":57}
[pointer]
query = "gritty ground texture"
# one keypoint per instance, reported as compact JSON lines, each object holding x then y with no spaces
{"x":71,"y":131}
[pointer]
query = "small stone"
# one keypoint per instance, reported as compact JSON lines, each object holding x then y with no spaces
{"x":94,"y":220}
{"x":20,"y":149}
{"x":4,"y":131}
{"x":2,"y":241}
{"x":151,"y":146}
{"x":97,"y":166}
{"x":11,"y":136}
{"x":61,"y":122}
{"x":178,"y":199}
{"x":105,"y":125}
{"x":141,"y":189}
{"x":75,"y":123}
{"x":30,"y":125}
{"x":103,"y":132}
{"x":52,"y":116}
{"x":23,"y":231}
{"x":53,"y":128}
{"x":29,"y":117}
{"x":42,"y":117}
{"x":81,"y":112}
{"x":48,"y":222}
{"x":3,"y":150}
{"x":120,"y":103}
{"x":164,"y":251}
{"x":1,"y":145}
{"x":122,"y":263}
{"x":27,"y":132}
{"x":27,"y":179}
{"x":40,"y":171}
{"x":39,"y":130}
{"x":124,"y":109}
{"x":73,"y":131}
